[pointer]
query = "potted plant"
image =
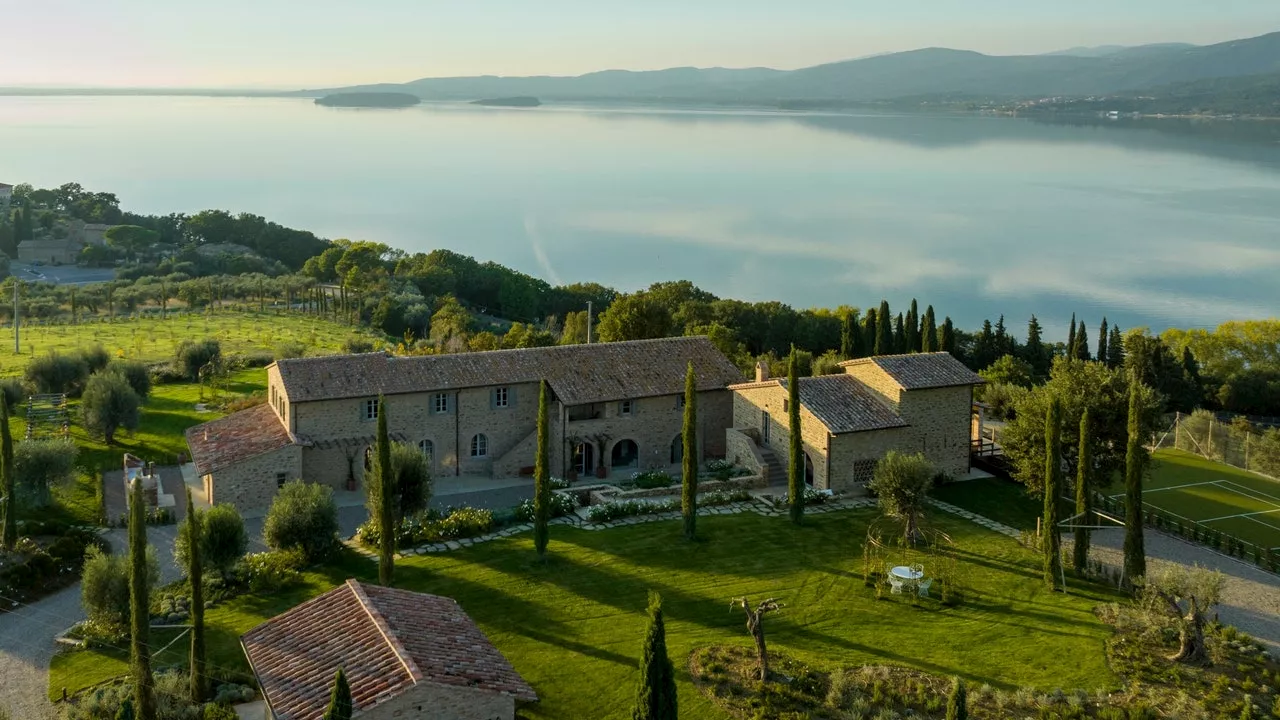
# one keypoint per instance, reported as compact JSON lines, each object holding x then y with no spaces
{"x":601,"y":440}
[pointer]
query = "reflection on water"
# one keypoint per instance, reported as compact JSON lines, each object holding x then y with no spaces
{"x":1154,"y":223}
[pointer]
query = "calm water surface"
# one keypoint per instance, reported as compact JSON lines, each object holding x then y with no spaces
{"x":979,"y":216}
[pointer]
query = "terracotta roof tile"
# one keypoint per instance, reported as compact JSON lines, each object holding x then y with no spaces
{"x":238,"y":436}
{"x":579,"y":374}
{"x":385,"y":640}
{"x":844,"y":405}
{"x":922,"y":371}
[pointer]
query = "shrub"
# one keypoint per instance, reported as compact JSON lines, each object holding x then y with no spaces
{"x":135,"y":373}
{"x":812,"y":496}
{"x":56,"y":373}
{"x":652,"y":479}
{"x":14,"y":392}
{"x":355,"y":345}
{"x":303,"y":516}
{"x":38,"y":465}
{"x":290,"y":349}
{"x":432,"y":526}
{"x":466,"y":522}
{"x":104,"y":589}
{"x":561,"y":504}
{"x":224,"y":540}
{"x":241,"y":361}
{"x":192,"y":355}
{"x":723,"y":497}
{"x":95,"y":358}
{"x":629,"y":508}
{"x":266,"y":571}
{"x":110,"y":403}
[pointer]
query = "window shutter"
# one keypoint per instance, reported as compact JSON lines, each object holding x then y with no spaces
{"x":511,"y":396}
{"x":493,"y":398}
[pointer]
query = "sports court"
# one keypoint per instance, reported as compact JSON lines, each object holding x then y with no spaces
{"x":1220,"y":497}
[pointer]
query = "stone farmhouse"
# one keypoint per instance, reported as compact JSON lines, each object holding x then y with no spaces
{"x":405,"y":655}
{"x":910,"y":403}
{"x":615,"y":407}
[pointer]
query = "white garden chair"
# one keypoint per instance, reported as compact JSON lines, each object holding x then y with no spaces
{"x":922,"y":587}
{"x":895,"y":585}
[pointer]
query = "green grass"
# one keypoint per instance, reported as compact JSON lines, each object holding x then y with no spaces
{"x":1214,"y":494}
{"x":573,"y":626}
{"x":1004,"y":501}
{"x":152,"y":339}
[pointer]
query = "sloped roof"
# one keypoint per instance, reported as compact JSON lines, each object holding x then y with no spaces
{"x":844,"y":405}
{"x":578,"y":374}
{"x":236,"y":437}
{"x":385,"y":640}
{"x":922,"y":371}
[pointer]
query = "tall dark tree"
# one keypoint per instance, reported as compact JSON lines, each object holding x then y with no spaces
{"x":870,"y":325}
{"x":1004,"y":344}
{"x":947,"y":336}
{"x":1102,"y":342}
{"x":795,"y":459}
{"x":1084,"y":496}
{"x":9,"y":528}
{"x":340,"y":705}
{"x":900,"y":334}
{"x":929,"y":331}
{"x":1034,"y":351}
{"x":195,"y":577}
{"x":984,"y":348}
{"x":1071,"y":338}
{"x":656,"y":693}
{"x":542,"y":475}
{"x":884,"y":330}
{"x":913,"y":328}
{"x":1052,"y":491}
{"x":848,"y":331}
{"x":689,"y":459}
{"x":1191,"y":373}
{"x":1135,"y":465}
{"x":1115,"y":348}
{"x":140,"y":608}
{"x":1082,"y":343}
{"x":386,"y":500}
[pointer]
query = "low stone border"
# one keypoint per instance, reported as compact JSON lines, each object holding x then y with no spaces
{"x":979,"y":519}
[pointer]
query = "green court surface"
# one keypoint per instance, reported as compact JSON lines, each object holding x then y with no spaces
{"x":1220,"y":497}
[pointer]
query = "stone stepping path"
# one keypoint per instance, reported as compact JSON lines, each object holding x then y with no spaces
{"x":979,"y":519}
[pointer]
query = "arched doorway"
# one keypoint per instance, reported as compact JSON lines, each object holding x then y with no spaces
{"x":584,"y":458}
{"x":808,"y":470}
{"x":626,"y":454}
{"x":677,"y":449}
{"x":428,"y":449}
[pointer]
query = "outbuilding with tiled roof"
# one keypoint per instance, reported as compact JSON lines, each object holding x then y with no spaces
{"x":405,"y":654}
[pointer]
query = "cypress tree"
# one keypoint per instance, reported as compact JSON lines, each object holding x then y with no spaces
{"x":1082,"y":343}
{"x":340,"y":705}
{"x":140,"y":608}
{"x":1003,"y":343}
{"x":1052,"y":483}
{"x":884,"y":330}
{"x":795,"y":461}
{"x":1102,"y":342}
{"x":1115,"y":348}
{"x":9,"y":530}
{"x":386,"y":490}
{"x":689,"y":461}
{"x":542,"y":476}
{"x":656,"y":692}
{"x":957,"y":701}
{"x":850,"y":334}
{"x":900,"y":335}
{"x":1033,"y":352}
{"x":929,"y":332}
{"x":913,"y":328}
{"x":984,"y":347}
{"x":1084,"y":495}
{"x":947,"y":336}
{"x":1135,"y":554}
{"x":869,"y":325}
{"x":1071,"y":338}
{"x":195,"y":576}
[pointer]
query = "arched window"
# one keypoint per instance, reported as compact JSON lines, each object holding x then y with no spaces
{"x":479,"y":446}
{"x":428,"y":449}
{"x":677,"y":449}
{"x":808,"y":470}
{"x":625,"y":454}
{"x":368,"y":458}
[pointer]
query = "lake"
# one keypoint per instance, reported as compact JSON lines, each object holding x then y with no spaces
{"x":977,"y":215}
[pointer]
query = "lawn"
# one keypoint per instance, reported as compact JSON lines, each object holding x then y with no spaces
{"x":573,"y":626}
{"x":1004,"y":501}
{"x":1219,"y":496}
{"x":153,"y":339}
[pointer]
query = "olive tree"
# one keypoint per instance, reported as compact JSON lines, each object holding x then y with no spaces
{"x":303,"y":516}
{"x":223,"y":540}
{"x":1184,"y":596}
{"x":110,"y":403}
{"x":902,"y":484}
{"x":104,"y":588}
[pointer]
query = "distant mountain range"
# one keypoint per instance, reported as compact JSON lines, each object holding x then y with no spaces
{"x":1078,"y":72}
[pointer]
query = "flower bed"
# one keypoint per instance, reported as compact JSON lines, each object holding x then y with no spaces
{"x":630,"y":508}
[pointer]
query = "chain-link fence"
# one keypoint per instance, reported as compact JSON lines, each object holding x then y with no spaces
{"x":1236,"y":442}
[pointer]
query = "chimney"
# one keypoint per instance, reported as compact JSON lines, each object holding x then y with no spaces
{"x":762,"y":371}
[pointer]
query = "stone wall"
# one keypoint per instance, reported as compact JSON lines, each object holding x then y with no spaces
{"x":741,"y":450}
{"x":940,"y":425}
{"x":251,"y":484}
{"x":877,"y":381}
{"x":853,"y":456}
{"x":442,"y":702}
{"x":764,"y":403}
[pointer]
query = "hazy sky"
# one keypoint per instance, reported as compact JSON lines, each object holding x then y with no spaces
{"x":295,"y":43}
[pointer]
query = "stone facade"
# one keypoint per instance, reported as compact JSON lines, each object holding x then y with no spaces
{"x":442,"y":702}
{"x":941,"y":425}
{"x":762,"y":406}
{"x":251,"y":484}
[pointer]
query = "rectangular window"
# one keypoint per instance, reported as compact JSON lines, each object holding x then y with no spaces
{"x":679,"y":402}
{"x":281,"y":478}
{"x":500,"y":397}
{"x":440,"y":403}
{"x":625,"y":407}
{"x":371,"y":409}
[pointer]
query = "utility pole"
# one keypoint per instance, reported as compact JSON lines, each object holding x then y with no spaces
{"x":588,"y":320}
{"x":17,"y":345}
